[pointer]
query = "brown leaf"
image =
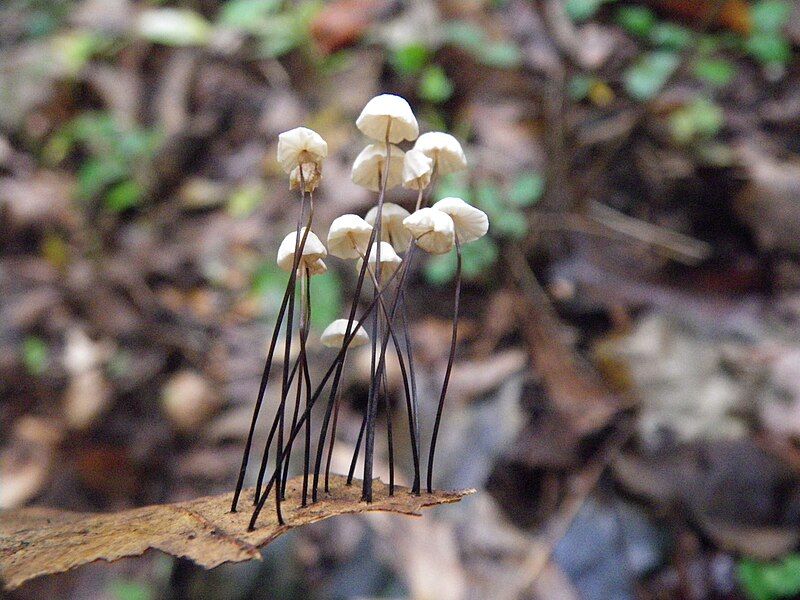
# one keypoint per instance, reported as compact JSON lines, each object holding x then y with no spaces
{"x":40,"y":541}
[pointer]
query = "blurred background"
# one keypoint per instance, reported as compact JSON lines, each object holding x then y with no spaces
{"x":626,"y":393}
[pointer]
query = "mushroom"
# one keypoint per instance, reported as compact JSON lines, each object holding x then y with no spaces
{"x":312,"y":173}
{"x":444,"y":150}
{"x":299,"y":146}
{"x":348,"y":236}
{"x":390,"y":261}
{"x":417,"y":170}
{"x":370,"y":163}
{"x":392,"y":229}
{"x":311,"y":256}
{"x":433,"y":229}
{"x":334,"y":335}
{"x":388,"y":115}
{"x":471,"y":223}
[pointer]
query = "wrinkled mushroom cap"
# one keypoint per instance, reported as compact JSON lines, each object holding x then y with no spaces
{"x":300,"y":145}
{"x":444,"y":150}
{"x":388,"y":110}
{"x":390,"y":261}
{"x":348,"y":236}
{"x":312,"y":254}
{"x":370,"y":164}
{"x":433,"y":229}
{"x":471,"y":223}
{"x":392,"y":229}
{"x":333,"y":336}
{"x":417,"y":170}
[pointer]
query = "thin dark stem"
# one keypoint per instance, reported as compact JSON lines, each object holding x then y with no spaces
{"x":388,"y":431}
{"x":401,"y":272}
{"x":449,"y":369}
{"x":303,"y":341}
{"x":413,"y":409}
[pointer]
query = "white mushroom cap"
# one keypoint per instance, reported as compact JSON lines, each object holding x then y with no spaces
{"x":312,"y":255}
{"x":333,"y":336}
{"x":390,"y":261}
{"x":388,"y":110}
{"x":300,"y":145}
{"x":471,"y":223}
{"x":433,"y":229}
{"x":312,"y":173}
{"x":369,"y":165}
{"x":392,"y":229}
{"x":417,"y":170}
{"x":348,"y":236}
{"x":444,"y":150}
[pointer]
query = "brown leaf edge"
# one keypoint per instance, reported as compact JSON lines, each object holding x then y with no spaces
{"x":40,"y":541}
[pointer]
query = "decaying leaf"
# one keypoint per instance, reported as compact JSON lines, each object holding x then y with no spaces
{"x":37,"y":541}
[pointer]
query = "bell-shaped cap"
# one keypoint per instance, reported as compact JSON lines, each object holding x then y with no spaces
{"x":444,"y":150}
{"x":311,"y":256}
{"x":312,"y":173}
{"x":370,"y":164}
{"x":334,"y":335}
{"x":471,"y":223}
{"x":417,"y":170}
{"x":433,"y":229}
{"x":300,"y":145}
{"x":348,"y":236}
{"x":392,"y":229}
{"x":390,"y":261}
{"x":388,"y":111}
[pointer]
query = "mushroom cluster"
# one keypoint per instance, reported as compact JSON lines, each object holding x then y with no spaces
{"x":382,"y":243}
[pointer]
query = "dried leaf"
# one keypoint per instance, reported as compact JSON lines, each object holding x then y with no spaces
{"x":39,"y":541}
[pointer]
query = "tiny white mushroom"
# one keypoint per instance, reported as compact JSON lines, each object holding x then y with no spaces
{"x":471,"y":223}
{"x":299,"y":146}
{"x":390,"y":261}
{"x":433,"y":229}
{"x":369,"y":166}
{"x":392,"y":229}
{"x":391,"y":112}
{"x":444,"y":150}
{"x":312,"y":173}
{"x":348,"y":236}
{"x":334,"y":335}
{"x":417,"y":170}
{"x":312,"y":255}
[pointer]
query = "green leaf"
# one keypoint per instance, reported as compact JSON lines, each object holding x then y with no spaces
{"x":244,"y":200}
{"x":435,"y":86}
{"x":174,"y":27}
{"x":95,"y":174}
{"x":453,"y":186}
{"x":510,"y":224}
{"x":699,"y":119}
{"x":580,"y":10}
{"x":478,"y":257}
{"x":326,"y":299}
{"x":130,"y":590}
{"x":526,"y":190}
{"x":770,"y":580}
{"x":579,"y":86}
{"x":35,"y":355}
{"x":490,"y":199}
{"x":123,"y":196}
{"x":247,"y":15}
{"x":770,"y":16}
{"x":649,"y":74}
{"x":441,"y":268}
{"x":768,"y":48}
{"x":637,"y":20}
{"x":410,"y":59}
{"x":670,"y":36}
{"x":502,"y":55}
{"x":714,"y":71}
{"x":463,"y":34}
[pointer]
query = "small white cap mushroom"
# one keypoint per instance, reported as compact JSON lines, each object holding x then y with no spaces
{"x":417,"y":170}
{"x":392,"y":229}
{"x":370,"y":163}
{"x":444,"y":150}
{"x":311,"y":257}
{"x":390,"y":261}
{"x":312,"y":173}
{"x":388,"y":111}
{"x":333,"y":336}
{"x":300,"y":145}
{"x":471,"y":223}
{"x":433,"y":229}
{"x":348,"y":236}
